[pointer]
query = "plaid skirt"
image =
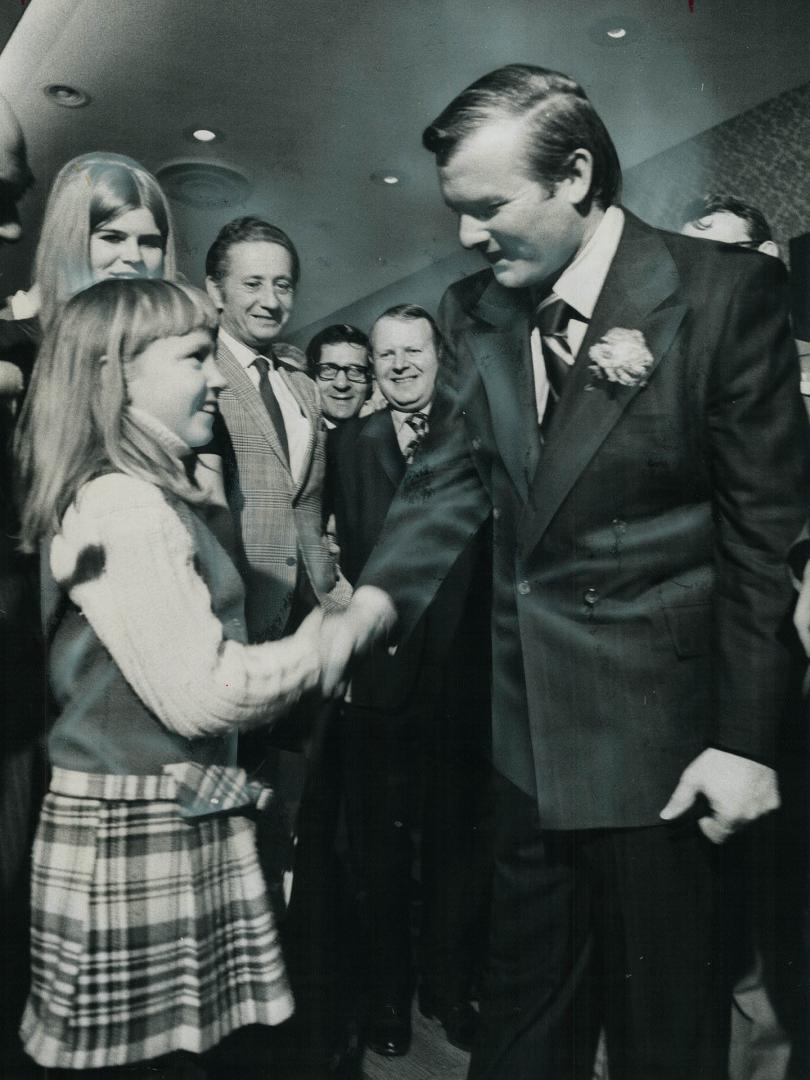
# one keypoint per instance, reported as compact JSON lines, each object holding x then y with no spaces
{"x":151,"y":931}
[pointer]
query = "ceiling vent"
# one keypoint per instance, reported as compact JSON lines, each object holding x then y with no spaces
{"x":204,"y":185}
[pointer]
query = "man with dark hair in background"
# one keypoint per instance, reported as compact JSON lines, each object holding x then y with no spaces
{"x":729,"y":220}
{"x":338,"y":361}
{"x":625,"y":403}
{"x":270,"y":440}
{"x":416,"y":732}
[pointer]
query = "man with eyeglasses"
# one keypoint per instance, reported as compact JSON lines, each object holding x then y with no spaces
{"x":414,"y":733}
{"x":338,"y":358}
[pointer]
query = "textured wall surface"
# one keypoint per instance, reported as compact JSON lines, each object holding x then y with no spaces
{"x":762,"y":156}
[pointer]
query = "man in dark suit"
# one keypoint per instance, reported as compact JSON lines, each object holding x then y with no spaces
{"x":625,"y":402}
{"x":414,"y":735}
{"x":270,"y":441}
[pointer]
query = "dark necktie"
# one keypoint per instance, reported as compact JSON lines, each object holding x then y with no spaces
{"x":551,"y":319}
{"x":418,"y":423}
{"x":270,"y":400}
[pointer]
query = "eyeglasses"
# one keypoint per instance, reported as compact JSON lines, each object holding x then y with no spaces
{"x":353,"y":372}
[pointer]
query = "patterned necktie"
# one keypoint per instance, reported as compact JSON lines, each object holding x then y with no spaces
{"x":418,"y":423}
{"x":262,"y":365}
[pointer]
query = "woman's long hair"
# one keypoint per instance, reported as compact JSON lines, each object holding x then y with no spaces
{"x":74,"y":424}
{"x":90,"y":191}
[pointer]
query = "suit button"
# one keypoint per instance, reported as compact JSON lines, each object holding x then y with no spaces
{"x":590,"y":596}
{"x":496,"y":513}
{"x":291,"y":560}
{"x":476,"y":443}
{"x":524,"y":588}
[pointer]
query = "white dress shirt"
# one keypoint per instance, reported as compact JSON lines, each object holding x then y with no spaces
{"x":579,"y":285}
{"x":296,"y":423}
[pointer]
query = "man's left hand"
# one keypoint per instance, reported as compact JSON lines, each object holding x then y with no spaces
{"x":738,"y":791}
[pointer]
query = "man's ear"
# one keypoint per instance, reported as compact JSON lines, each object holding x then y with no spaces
{"x":770,"y":247}
{"x":577,"y":184}
{"x":214,"y":290}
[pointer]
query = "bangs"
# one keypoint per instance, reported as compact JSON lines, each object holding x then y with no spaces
{"x":118,"y":188}
{"x":159,"y":309}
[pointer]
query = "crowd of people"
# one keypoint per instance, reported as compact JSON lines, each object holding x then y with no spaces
{"x":485,"y":616}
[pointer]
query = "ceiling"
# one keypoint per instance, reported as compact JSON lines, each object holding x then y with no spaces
{"x":312,"y":97}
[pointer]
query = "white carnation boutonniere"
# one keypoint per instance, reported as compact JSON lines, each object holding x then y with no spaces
{"x":620,"y":356}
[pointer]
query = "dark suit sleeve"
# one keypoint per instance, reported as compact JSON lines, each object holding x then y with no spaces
{"x":441,"y":502}
{"x":758,"y":447}
{"x":799,"y":554}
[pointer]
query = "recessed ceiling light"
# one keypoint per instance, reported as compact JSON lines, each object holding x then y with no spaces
{"x":198,"y":134}
{"x":387,"y":177}
{"x":69,"y":97}
{"x":617,"y":30}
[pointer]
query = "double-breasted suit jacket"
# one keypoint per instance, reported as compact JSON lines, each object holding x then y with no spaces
{"x":278,"y":521}
{"x":639,"y":584}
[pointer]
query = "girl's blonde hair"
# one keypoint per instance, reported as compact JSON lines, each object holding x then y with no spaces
{"x":75,"y":424}
{"x":90,"y":191}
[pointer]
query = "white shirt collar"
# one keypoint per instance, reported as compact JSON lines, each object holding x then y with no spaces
{"x":400,"y":418}
{"x":581,"y":283}
{"x":244,"y":354}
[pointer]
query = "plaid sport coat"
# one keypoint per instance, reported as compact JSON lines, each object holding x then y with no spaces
{"x":279,"y":530}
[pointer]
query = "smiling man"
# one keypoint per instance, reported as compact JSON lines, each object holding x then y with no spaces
{"x":414,"y":732}
{"x":625,"y":404}
{"x":338,"y":359}
{"x":271,"y":442}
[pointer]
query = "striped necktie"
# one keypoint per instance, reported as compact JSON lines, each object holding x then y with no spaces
{"x":418,"y":423}
{"x":551,"y":320}
{"x":262,"y":365}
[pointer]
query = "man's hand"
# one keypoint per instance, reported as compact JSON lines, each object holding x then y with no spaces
{"x":801,"y":616}
{"x":738,"y":791}
{"x":368,"y":617}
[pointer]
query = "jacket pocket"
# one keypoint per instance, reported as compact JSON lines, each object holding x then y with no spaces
{"x":690,"y":628}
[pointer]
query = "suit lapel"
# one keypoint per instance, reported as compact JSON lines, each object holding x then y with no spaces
{"x":243,"y":391}
{"x":291,"y":381}
{"x":502,"y":356}
{"x":379,"y":430}
{"x":641,"y":278}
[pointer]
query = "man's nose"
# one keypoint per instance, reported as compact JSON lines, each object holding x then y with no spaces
{"x":269,"y":298}
{"x":470,"y":232}
{"x":341,"y":379}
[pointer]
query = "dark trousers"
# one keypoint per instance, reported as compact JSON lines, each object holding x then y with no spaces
{"x":407,"y":775}
{"x":617,"y":928}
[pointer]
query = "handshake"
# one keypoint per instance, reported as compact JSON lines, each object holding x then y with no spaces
{"x":337,"y":638}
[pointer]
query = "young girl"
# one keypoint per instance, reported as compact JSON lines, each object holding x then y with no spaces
{"x":152,"y":931}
